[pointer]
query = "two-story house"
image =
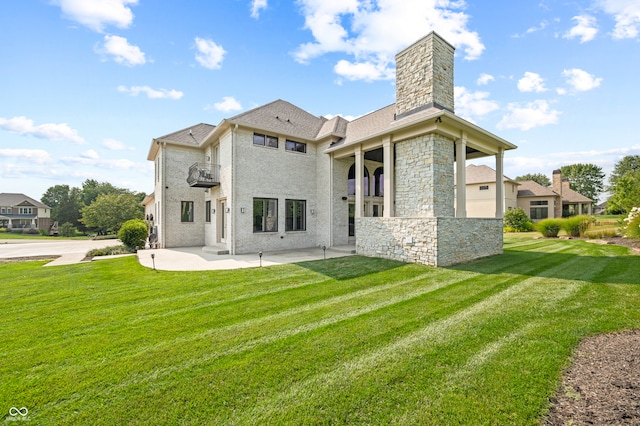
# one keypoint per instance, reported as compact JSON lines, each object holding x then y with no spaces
{"x":279,"y":178}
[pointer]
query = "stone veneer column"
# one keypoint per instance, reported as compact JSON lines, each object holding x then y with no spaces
{"x":424,"y":75}
{"x":424,"y":177}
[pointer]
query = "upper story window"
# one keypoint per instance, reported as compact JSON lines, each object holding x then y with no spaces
{"x":295,"y":146}
{"x":484,"y":187}
{"x":25,"y":210}
{"x":265,"y":140}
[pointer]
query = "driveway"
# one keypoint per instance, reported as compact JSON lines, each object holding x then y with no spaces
{"x":69,"y":251}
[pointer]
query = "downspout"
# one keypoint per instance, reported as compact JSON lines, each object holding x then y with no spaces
{"x":232,"y":208}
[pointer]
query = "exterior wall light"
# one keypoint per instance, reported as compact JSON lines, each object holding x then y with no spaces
{"x":241,"y":209}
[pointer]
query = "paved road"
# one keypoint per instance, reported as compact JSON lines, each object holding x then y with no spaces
{"x":70,"y":251}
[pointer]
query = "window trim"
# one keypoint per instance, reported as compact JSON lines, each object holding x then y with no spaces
{"x":264,"y":217}
{"x":186,"y":216}
{"x":296,"y":144}
{"x":290,"y":222}
{"x":267,"y":140}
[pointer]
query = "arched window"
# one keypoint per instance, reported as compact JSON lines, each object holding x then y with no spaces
{"x":378,"y":182}
{"x":351,"y":181}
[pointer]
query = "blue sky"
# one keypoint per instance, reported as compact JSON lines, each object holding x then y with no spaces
{"x":86,"y":84}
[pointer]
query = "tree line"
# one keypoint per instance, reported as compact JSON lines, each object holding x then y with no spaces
{"x":96,"y":207}
{"x":588,"y":180}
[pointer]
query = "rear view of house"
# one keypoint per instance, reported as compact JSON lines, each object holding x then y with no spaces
{"x":279,"y":178}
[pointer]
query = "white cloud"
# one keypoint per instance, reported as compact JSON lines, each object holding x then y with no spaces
{"x":151,"y":93}
{"x":38,"y":156}
{"x":210,"y":54}
{"x":97,"y":14}
{"x":50,"y":131}
{"x":115,"y":145}
{"x":585,"y":28}
{"x":373,"y":31}
{"x":228,"y":104}
{"x":626,"y":14}
{"x":256,"y":7}
{"x":121,"y":51}
{"x":367,"y":71}
{"x":533,"y":114}
{"x":90,"y":154}
{"x":531,"y":82}
{"x":472,"y":104}
{"x":484,"y":79}
{"x":581,"y":80}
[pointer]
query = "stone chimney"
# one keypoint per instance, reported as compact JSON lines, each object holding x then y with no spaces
{"x":557,"y":183}
{"x":424,"y":76}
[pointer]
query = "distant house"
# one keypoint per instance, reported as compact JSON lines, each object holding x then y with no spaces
{"x":280,"y":178}
{"x":481,"y":191}
{"x":539,"y":202}
{"x":22,"y":211}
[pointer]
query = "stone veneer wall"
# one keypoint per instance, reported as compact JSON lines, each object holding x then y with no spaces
{"x":424,"y":177}
{"x":424,"y":75}
{"x":429,"y":241}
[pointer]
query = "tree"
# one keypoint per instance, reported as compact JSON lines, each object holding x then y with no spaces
{"x":517,"y":220}
{"x":539,"y":178}
{"x":108,"y":212}
{"x":630,"y":163}
{"x":92,"y":189}
{"x":625,"y":194}
{"x":586,"y":179}
{"x":64,"y":202}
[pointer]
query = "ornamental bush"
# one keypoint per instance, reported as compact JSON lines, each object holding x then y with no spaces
{"x":133,"y":233}
{"x":549,"y":227}
{"x":632,"y":223}
{"x":67,"y":230}
{"x":576,"y":226}
{"x":517,"y":220}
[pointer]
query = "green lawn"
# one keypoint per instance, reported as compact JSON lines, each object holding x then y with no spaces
{"x":342,"y":341}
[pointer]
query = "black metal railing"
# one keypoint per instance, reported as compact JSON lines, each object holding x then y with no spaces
{"x":204,"y":175}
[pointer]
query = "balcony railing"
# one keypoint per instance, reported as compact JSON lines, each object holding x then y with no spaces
{"x":204,"y":175}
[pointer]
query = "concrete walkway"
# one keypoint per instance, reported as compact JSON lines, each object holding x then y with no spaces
{"x":196,"y":259}
{"x":174,"y":259}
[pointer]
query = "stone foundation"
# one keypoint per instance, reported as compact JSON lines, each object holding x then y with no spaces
{"x":429,"y":241}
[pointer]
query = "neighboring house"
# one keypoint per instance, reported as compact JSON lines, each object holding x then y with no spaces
{"x":481,"y":191}
{"x":538,"y":202}
{"x":279,"y":178}
{"x":21,"y":211}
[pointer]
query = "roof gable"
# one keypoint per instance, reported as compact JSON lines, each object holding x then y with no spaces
{"x":482,"y":174}
{"x":8,"y":199}
{"x":193,"y":135}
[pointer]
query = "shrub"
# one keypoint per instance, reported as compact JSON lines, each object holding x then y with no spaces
{"x":632,"y":223}
{"x":549,"y":227}
{"x":517,"y":220}
{"x":108,"y":251}
{"x":66,"y":230}
{"x":575,"y":226}
{"x":30,"y":231}
{"x":133,"y":233}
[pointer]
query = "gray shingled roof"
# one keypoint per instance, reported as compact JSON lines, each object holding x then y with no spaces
{"x":529,"y":188}
{"x":337,"y":126}
{"x":281,"y":117}
{"x":16,"y":199}
{"x":193,"y":135}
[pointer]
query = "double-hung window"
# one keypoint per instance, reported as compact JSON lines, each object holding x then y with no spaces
{"x":265,"y":215}
{"x":296,"y":215}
